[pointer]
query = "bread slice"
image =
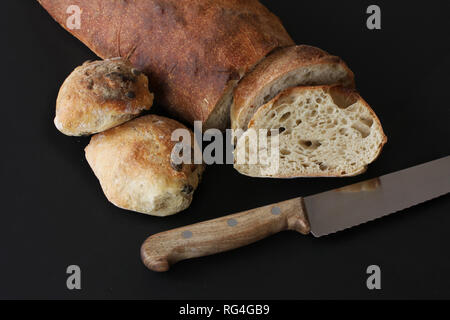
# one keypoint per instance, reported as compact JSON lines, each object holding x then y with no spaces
{"x":323,"y":131}
{"x":288,"y":67}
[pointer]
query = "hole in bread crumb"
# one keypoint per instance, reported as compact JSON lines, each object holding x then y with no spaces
{"x":281,"y":129}
{"x":342,"y":131}
{"x":344,"y":121}
{"x":332,"y":125}
{"x":330,"y":110}
{"x":311,"y":145}
{"x":362,"y":129}
{"x":298,"y":121}
{"x":266,"y":99}
{"x":342,"y":99}
{"x":285,"y":152}
{"x":343,"y":172}
{"x":323,"y":167}
{"x":285,"y":116}
{"x":367,"y":121}
{"x":272,"y":114}
{"x":306,"y":143}
{"x":318,"y":100}
{"x":352,"y":109}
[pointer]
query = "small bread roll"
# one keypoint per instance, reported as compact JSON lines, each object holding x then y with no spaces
{"x":136,"y":171}
{"x":100,"y":95}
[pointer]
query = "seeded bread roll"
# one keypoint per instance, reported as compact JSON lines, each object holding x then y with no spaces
{"x":324,"y":131}
{"x":100,"y":95}
{"x":288,"y":67}
{"x":136,"y":171}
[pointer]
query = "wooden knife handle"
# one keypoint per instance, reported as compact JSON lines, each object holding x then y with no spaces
{"x":161,"y":250}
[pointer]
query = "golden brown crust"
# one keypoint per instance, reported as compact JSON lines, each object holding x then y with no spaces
{"x":133,"y":165}
{"x":100,"y":95}
{"x":347,"y":95}
{"x":272,"y":68}
{"x":191,"y":48}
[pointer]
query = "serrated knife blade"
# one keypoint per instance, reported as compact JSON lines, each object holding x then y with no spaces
{"x":343,"y":208}
{"x":320,"y":214}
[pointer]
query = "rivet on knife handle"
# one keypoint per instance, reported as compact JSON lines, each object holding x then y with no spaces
{"x":161,"y":250}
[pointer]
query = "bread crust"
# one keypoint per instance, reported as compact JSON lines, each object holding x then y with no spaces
{"x":272,"y":68}
{"x":191,"y":48}
{"x":100,"y":95}
{"x":348,"y":93}
{"x":133,"y":165}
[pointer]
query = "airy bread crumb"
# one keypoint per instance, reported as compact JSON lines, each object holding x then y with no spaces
{"x":324,"y":131}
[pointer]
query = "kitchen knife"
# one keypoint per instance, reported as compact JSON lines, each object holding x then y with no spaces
{"x":319,"y":214}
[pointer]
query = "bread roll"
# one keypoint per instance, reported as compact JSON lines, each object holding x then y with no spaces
{"x":195,"y":50}
{"x":324,"y":131}
{"x":134,"y":166}
{"x":100,"y":95}
{"x":287,"y":67}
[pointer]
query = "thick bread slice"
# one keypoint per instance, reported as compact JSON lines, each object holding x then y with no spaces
{"x":324,"y":131}
{"x":288,"y":67}
{"x":194,"y":50}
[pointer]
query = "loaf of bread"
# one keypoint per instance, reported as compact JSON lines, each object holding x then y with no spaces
{"x":194,"y":50}
{"x":135,"y":167}
{"x":100,"y":95}
{"x":323,"y":131}
{"x":288,"y":67}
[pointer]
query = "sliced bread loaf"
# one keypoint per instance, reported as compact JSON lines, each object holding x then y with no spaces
{"x":323,"y":131}
{"x":288,"y":67}
{"x":194,"y":50}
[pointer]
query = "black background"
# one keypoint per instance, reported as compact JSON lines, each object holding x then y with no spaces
{"x":54,"y":214}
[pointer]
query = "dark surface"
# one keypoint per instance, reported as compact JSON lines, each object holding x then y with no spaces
{"x":54,"y":213}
